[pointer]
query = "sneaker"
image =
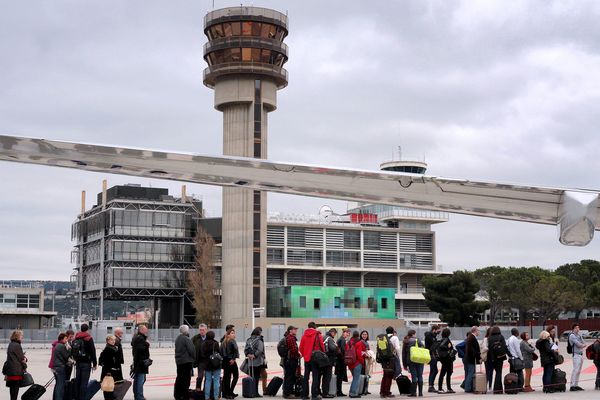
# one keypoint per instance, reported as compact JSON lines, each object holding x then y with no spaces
{"x":432,"y":390}
{"x":441,"y":391}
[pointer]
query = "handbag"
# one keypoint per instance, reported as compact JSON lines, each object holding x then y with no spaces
{"x":215,"y":359}
{"x":534,"y":356}
{"x":559,"y":359}
{"x":244,"y":367}
{"x":147,"y":362}
{"x":108,"y":384}
{"x":419,"y":355}
{"x":517,"y":364}
{"x":27,"y":380}
{"x":319,"y":357}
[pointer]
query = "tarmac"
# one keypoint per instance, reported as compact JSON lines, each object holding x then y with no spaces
{"x":159,"y":384}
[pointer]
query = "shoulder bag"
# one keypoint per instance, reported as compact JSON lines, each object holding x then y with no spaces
{"x":419,"y":355}
{"x":319,"y":357}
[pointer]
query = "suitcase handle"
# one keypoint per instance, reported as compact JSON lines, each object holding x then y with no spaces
{"x":49,"y":382}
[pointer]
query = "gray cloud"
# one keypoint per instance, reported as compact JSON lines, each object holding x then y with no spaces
{"x":480,"y":89}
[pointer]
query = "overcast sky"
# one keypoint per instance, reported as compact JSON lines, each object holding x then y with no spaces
{"x":506,"y":91}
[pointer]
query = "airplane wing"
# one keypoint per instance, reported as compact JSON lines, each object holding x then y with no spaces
{"x":576,"y":211}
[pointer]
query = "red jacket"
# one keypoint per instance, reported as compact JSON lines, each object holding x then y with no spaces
{"x":51,"y":363}
{"x":311,"y":340}
{"x":359,"y":348}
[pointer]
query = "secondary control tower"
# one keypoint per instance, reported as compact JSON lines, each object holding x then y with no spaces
{"x":245,"y":55}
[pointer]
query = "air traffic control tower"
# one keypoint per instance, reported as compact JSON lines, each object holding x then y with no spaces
{"x":245,"y":55}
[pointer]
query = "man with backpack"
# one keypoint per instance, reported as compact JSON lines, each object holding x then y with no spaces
{"x":84,"y":353}
{"x":311,"y":341}
{"x":288,"y":351}
{"x":575,"y":346}
{"x":385,"y":356}
{"x":432,"y":344}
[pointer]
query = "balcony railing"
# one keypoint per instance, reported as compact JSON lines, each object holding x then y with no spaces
{"x":244,"y":67}
{"x":411,"y":290}
{"x":418,"y":315}
{"x":246,"y":11}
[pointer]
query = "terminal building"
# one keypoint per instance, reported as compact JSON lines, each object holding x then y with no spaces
{"x":23,"y":308}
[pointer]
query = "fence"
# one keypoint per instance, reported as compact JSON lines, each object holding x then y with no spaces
{"x":166,"y":337}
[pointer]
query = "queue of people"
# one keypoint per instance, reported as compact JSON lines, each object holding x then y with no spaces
{"x":327,"y":361}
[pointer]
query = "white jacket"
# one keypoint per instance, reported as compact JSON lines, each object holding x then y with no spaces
{"x":396,"y":343}
{"x":514,"y":346}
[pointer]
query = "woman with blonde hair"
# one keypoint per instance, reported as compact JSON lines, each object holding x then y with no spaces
{"x":15,"y":365}
{"x":547,"y":358}
{"x":109,"y":361}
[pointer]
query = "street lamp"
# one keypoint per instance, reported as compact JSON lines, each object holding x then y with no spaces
{"x":254,"y":310}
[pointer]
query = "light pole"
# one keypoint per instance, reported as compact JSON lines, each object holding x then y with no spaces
{"x":254,"y":310}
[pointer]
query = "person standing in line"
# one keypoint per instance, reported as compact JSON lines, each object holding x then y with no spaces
{"x":596,"y":359}
{"x":291,"y":362}
{"x":119,"y":345}
{"x":198,"y":339}
{"x":331,"y":350}
{"x":527,"y":350}
{"x":514,"y":348}
{"x":395,"y":340}
{"x":212,"y":370}
{"x":547,"y":358}
{"x":341,"y":369}
{"x":387,"y":364}
{"x":69,"y":344}
{"x":109,"y":361}
{"x":311,"y":340}
{"x":140,"y":348}
{"x":551,"y":329}
{"x":358,"y":347}
{"x":577,"y":346}
{"x":498,"y":352}
{"x":369,"y":358}
{"x":255,"y":352}
{"x":489,"y":367}
{"x":84,"y":352}
{"x":231,"y":353}
{"x":60,"y":360}
{"x":16,"y":364}
{"x":431,"y":343}
{"x":472,"y":358}
{"x":416,"y":370}
{"x":447,"y":356}
{"x":185,"y":354}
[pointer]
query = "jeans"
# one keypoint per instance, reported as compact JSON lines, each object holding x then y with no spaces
{"x":355,"y":380}
{"x":489,"y":373}
{"x":469,"y":377}
{"x":138,"y":385}
{"x":577,"y":364}
{"x":311,"y":367}
{"x":200,"y":377}
{"x":416,"y":376}
{"x":326,"y":381}
{"x":212,"y":381}
{"x":521,"y":380}
{"x":397,"y":366}
{"x":231,"y":375}
{"x":547,"y":377}
{"x":182,"y":382}
{"x":60,"y":378}
{"x":447,"y":370}
{"x":82,"y":377}
{"x":433,"y":371}
{"x":498,"y":388}
{"x":289,"y":375}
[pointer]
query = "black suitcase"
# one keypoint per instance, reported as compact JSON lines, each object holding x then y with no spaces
{"x":195,"y":394}
{"x":274,"y":386}
{"x":403,"y":383}
{"x":511,"y":383}
{"x":121,"y":390}
{"x":70,"y":389}
{"x":559,"y":381}
{"x":298,"y":386}
{"x":249,"y":387}
{"x":35,"y":391}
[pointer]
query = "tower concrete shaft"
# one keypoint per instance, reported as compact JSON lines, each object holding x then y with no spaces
{"x":245,"y":54}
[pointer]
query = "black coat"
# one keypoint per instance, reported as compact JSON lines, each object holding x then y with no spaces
{"x":547,"y":355}
{"x":15,"y":359}
{"x":109,"y":361}
{"x":140,"y":348}
{"x":472,"y":351}
{"x":209,"y":347}
{"x":340,"y":367}
{"x":493,"y":341}
{"x":119,"y":345}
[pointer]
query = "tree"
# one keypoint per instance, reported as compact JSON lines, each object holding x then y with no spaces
{"x":202,"y":282}
{"x":514,"y":286}
{"x":584,"y":273}
{"x":490,"y":282}
{"x":453,"y":297}
{"x":553,"y":294}
{"x":593,"y":295}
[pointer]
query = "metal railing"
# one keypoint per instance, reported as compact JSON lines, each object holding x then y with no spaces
{"x":245,"y":41}
{"x":244,"y":67}
{"x":246,"y":11}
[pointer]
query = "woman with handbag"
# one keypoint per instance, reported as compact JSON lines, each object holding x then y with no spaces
{"x":16,"y":364}
{"x":111,"y":367}
{"x":231,"y":353}
{"x":416,"y":369}
{"x":547,"y":358}
{"x":529,"y":357}
{"x":447,"y":356}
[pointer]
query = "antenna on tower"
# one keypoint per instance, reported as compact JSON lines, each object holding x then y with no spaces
{"x":399,"y":153}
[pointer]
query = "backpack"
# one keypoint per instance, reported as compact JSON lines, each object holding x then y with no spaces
{"x":384,"y":349}
{"x":498,"y":350}
{"x":78,"y":350}
{"x":461,"y":348}
{"x":435,"y":349}
{"x":282,"y":347}
{"x":350,"y":355}
{"x":569,"y":345}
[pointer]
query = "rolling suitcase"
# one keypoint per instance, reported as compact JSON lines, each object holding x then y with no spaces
{"x":511,"y":383}
{"x":70,"y":389}
{"x":298,"y":386}
{"x":92,"y":388}
{"x":195,"y":394}
{"x":274,"y":386}
{"x":403,"y":383}
{"x":34,"y":392}
{"x":363,"y":385}
{"x":333,"y":385}
{"x":480,"y":382}
{"x":559,"y":381}
{"x":121,"y":390}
